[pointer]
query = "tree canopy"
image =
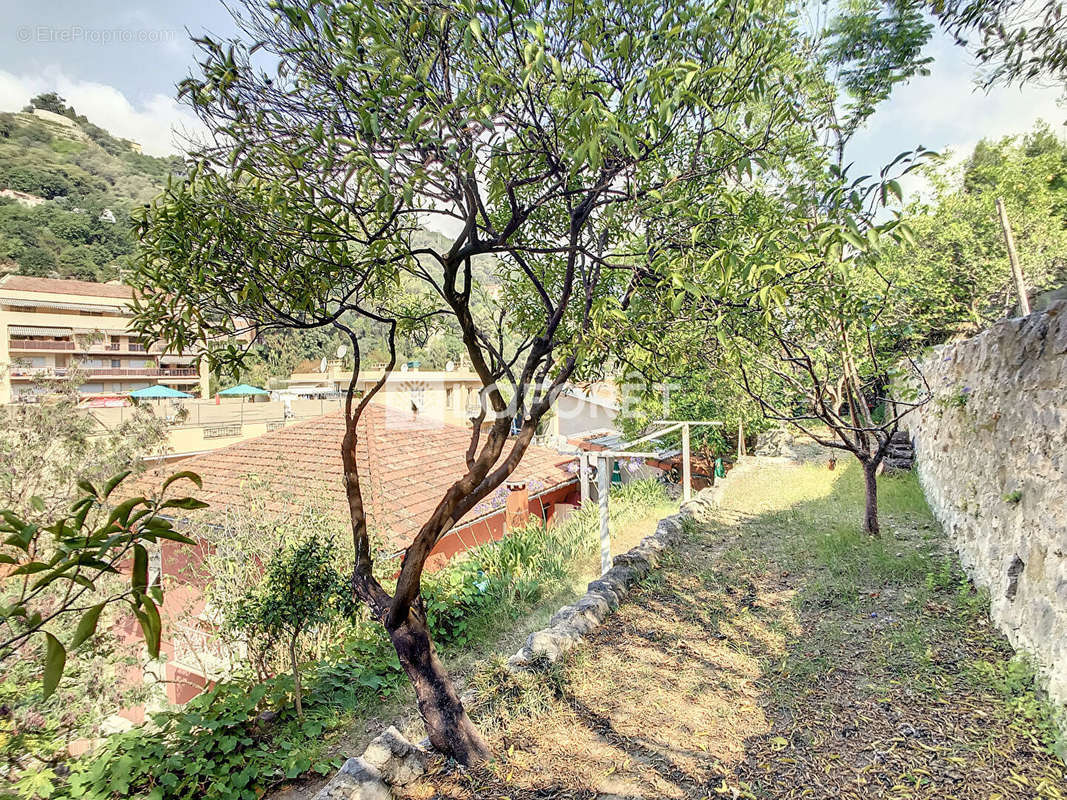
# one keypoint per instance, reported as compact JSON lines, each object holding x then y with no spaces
{"x":540,"y":134}
{"x":953,"y":279}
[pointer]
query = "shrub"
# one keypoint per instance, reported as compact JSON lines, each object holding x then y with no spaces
{"x":220,"y":745}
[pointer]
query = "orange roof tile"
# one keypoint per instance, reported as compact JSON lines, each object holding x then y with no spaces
{"x":27,"y":283}
{"x":405,"y":464}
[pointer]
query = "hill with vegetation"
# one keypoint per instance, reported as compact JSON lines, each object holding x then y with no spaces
{"x":70,"y":188}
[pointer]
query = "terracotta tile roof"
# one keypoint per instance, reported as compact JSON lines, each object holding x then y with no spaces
{"x":406,"y":465}
{"x":26,"y":283}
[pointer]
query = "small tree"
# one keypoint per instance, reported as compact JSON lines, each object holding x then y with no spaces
{"x":540,"y":135}
{"x":47,"y":447}
{"x":302,"y":589}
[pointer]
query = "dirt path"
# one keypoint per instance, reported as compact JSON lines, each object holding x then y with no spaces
{"x":779,"y":654}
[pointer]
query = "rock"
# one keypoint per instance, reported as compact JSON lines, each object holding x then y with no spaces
{"x":356,"y":780}
{"x":580,"y":624}
{"x":595,"y":605}
{"x":396,"y":759}
{"x":570,"y":624}
{"x":607,"y":590}
{"x":564,"y":614}
{"x":550,"y":643}
{"x":520,"y":660}
{"x":634,"y":561}
{"x":669,"y":530}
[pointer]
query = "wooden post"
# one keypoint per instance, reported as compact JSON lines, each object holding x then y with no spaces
{"x":687,"y":476}
{"x":1013,"y":258}
{"x":583,"y":475}
{"x":603,"y":488}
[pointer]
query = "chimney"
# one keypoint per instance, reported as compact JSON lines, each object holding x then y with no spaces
{"x":518,"y":508}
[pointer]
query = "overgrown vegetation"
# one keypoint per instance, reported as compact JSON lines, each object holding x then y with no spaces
{"x":952,"y":280}
{"x":245,"y":735}
{"x":83,"y":172}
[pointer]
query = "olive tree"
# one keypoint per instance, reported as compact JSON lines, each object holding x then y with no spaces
{"x":540,"y":136}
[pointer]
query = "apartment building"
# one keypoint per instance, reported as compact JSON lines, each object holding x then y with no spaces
{"x":54,"y":327}
{"x":447,"y":395}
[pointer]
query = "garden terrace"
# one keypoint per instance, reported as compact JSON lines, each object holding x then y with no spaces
{"x":781,"y":653}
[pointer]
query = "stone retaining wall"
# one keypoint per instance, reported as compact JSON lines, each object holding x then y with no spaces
{"x":991,"y":453}
{"x":390,"y":760}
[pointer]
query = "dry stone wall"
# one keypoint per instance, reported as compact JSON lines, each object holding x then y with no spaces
{"x":391,"y":760}
{"x":991,"y":453}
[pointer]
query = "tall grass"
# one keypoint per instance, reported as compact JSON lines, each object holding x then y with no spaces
{"x":501,"y":580}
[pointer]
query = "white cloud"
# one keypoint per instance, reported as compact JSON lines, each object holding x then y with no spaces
{"x":946,"y":111}
{"x":159,"y":124}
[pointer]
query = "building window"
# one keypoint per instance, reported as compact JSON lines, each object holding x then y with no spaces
{"x":115,"y":363}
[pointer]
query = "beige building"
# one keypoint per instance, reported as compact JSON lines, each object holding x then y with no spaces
{"x":54,"y":328}
{"x":449,"y":395}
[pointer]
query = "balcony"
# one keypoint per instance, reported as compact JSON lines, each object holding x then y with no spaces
{"x":103,"y":372}
{"x":31,"y":344}
{"x":72,"y":347}
{"x":151,"y":372}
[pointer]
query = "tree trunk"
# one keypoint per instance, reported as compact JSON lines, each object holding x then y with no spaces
{"x":450,"y":729}
{"x":870,"y":514}
{"x":296,"y":677}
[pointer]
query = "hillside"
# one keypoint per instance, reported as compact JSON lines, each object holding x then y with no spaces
{"x":67,"y":187}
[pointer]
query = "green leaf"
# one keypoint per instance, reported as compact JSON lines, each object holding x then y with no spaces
{"x":121,"y":512}
{"x":187,"y":503}
{"x":29,"y":569}
{"x":185,"y":474}
{"x":87,"y":625}
{"x":115,"y":481}
{"x":55,"y":659}
{"x":139,"y":576}
{"x":150,"y":626}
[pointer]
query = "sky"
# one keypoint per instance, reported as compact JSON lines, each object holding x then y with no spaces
{"x":119,"y":63}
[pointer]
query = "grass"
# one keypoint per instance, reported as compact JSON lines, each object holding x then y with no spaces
{"x":781,"y":653}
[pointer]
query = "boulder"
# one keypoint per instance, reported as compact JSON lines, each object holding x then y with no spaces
{"x":356,"y":780}
{"x":397,"y":760}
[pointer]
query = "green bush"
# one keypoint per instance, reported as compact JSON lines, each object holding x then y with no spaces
{"x":220,"y":746}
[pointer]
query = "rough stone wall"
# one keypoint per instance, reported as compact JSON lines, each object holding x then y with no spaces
{"x":991,"y":452}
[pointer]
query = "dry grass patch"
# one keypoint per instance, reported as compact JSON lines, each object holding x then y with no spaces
{"x":779,"y":654}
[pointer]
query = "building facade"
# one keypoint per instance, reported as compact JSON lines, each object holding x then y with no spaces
{"x":60,"y":328}
{"x":447,"y":395}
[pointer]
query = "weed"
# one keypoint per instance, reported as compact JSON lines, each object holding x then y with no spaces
{"x":1014,"y":680}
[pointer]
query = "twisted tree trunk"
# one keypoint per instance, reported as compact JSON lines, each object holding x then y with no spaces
{"x":451,"y":730}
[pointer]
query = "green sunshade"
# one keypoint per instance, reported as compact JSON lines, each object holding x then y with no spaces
{"x":241,"y":390}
